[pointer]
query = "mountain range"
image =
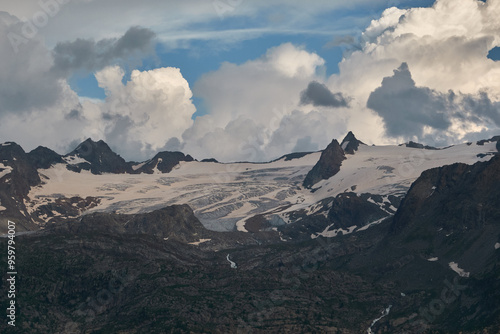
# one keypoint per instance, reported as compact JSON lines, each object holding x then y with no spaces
{"x":351,"y":239}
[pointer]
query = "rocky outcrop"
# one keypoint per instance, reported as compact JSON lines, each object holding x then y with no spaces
{"x":163,"y":162}
{"x":175,"y":222}
{"x":350,"y":144}
{"x":492,"y":139}
{"x":291,"y":156}
{"x":210,"y":160}
{"x":341,"y":212}
{"x":413,"y":144}
{"x":328,"y":165}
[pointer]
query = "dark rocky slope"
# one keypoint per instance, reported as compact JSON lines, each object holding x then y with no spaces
{"x":15,"y":186}
{"x":327,"y":166}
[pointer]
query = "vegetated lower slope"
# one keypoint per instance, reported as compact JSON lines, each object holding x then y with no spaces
{"x":435,"y":267}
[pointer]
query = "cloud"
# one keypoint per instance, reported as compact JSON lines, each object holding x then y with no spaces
{"x":344,"y":40}
{"x":446,"y":47}
{"x":248,"y":103}
{"x":256,"y":110}
{"x":38,"y":107}
{"x":90,"y":56}
{"x":318,"y":94}
{"x":305,"y":144}
{"x":413,"y":112}
{"x":263,"y":89}
{"x":180,"y":21}
{"x":405,"y":108}
{"x":25,"y":81}
{"x":144,"y":114}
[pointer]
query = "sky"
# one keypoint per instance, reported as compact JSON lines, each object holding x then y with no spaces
{"x":241,"y":80}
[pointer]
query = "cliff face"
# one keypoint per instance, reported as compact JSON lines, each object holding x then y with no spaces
{"x":327,"y":166}
{"x":17,"y":176}
{"x":452,"y":197}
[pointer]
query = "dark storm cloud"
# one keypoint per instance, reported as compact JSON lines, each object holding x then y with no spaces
{"x":89,"y":55}
{"x":25,"y":80}
{"x":406,"y":108}
{"x":318,"y":94}
{"x":73,"y":114}
{"x":482,"y":106}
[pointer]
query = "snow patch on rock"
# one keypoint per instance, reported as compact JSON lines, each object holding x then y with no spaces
{"x":459,"y":271}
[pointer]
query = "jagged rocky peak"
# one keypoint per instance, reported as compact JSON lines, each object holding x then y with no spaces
{"x":163,"y":162}
{"x":327,"y":166}
{"x":350,"y":144}
{"x":96,"y":157}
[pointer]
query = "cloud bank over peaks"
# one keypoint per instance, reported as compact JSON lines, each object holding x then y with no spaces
{"x":445,"y":45}
{"x":144,"y":114}
{"x":251,"y":106}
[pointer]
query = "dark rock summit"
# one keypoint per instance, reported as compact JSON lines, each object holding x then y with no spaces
{"x":350,"y":144}
{"x":99,"y":158}
{"x":43,"y":157}
{"x":328,"y":165}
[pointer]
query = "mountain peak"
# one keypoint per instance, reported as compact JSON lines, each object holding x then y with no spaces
{"x":97,"y":157}
{"x":350,"y":143}
{"x":43,"y":157}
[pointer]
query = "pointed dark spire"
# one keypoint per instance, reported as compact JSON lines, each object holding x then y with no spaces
{"x":327,"y":166}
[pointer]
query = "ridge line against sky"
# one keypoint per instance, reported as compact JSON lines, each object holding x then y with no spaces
{"x":247,"y":80}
